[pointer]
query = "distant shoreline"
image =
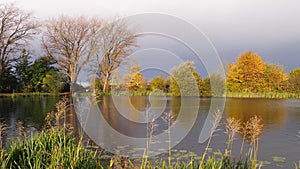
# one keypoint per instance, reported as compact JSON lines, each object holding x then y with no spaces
{"x":267,"y":95}
{"x":31,"y":94}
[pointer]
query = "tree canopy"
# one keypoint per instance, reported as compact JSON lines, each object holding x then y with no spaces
{"x":247,"y":75}
{"x":185,"y":80}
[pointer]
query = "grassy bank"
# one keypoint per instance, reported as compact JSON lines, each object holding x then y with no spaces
{"x":37,"y":94}
{"x":268,"y":95}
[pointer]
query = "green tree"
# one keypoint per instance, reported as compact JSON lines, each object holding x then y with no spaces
{"x":218,"y":86}
{"x":8,"y":81}
{"x":185,"y":80}
{"x":54,"y":81}
{"x":24,"y":72}
{"x":247,"y":75}
{"x":39,"y":69}
{"x":213,"y":85}
{"x":205,"y":90}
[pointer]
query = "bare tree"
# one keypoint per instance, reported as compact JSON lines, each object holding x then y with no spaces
{"x":116,"y":42}
{"x":72,"y":41}
{"x":17,"y":27}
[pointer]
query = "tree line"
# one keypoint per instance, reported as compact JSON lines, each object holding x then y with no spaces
{"x":249,"y":74}
{"x":70,"y":43}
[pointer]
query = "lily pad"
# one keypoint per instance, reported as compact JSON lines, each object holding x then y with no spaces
{"x":279,"y":159}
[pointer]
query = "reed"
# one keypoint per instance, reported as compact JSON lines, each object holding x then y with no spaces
{"x":2,"y":134}
{"x":232,"y":127}
{"x":21,"y":130}
{"x":215,"y":123}
{"x":243,"y":131}
{"x":253,"y":129}
{"x":150,"y":128}
{"x":167,"y":118}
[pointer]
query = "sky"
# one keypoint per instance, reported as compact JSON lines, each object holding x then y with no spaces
{"x":270,"y":28}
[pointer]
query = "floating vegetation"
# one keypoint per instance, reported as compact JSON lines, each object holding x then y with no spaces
{"x":278,"y":159}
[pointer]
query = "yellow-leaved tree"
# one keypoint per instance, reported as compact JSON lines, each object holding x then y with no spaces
{"x":134,"y":79}
{"x":247,"y":74}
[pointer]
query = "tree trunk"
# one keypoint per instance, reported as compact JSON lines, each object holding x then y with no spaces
{"x":105,"y":84}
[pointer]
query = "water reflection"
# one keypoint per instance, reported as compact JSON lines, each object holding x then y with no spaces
{"x":272,"y":112}
{"x":281,"y":119}
{"x":30,"y":110}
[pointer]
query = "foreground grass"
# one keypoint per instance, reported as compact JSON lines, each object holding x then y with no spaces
{"x":49,"y":149}
{"x":54,"y":149}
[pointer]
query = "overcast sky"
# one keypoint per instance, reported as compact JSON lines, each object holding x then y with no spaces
{"x":269,"y":27}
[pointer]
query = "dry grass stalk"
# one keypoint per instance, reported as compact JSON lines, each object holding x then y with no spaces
{"x":251,"y":131}
{"x":21,"y":129}
{"x":49,"y":120}
{"x":215,"y":123}
{"x":61,"y":107}
{"x":243,"y":132}
{"x":168,"y":118}
{"x":233,"y":126}
{"x":151,"y":127}
{"x":55,"y":119}
{"x":254,"y":128}
{"x":2,"y":134}
{"x":118,"y":162}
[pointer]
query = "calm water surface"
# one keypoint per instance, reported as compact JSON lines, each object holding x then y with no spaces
{"x":281,"y":118}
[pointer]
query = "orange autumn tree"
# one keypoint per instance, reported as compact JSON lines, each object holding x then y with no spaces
{"x":247,"y":75}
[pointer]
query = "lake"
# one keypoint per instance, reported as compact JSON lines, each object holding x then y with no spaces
{"x":128,"y":116}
